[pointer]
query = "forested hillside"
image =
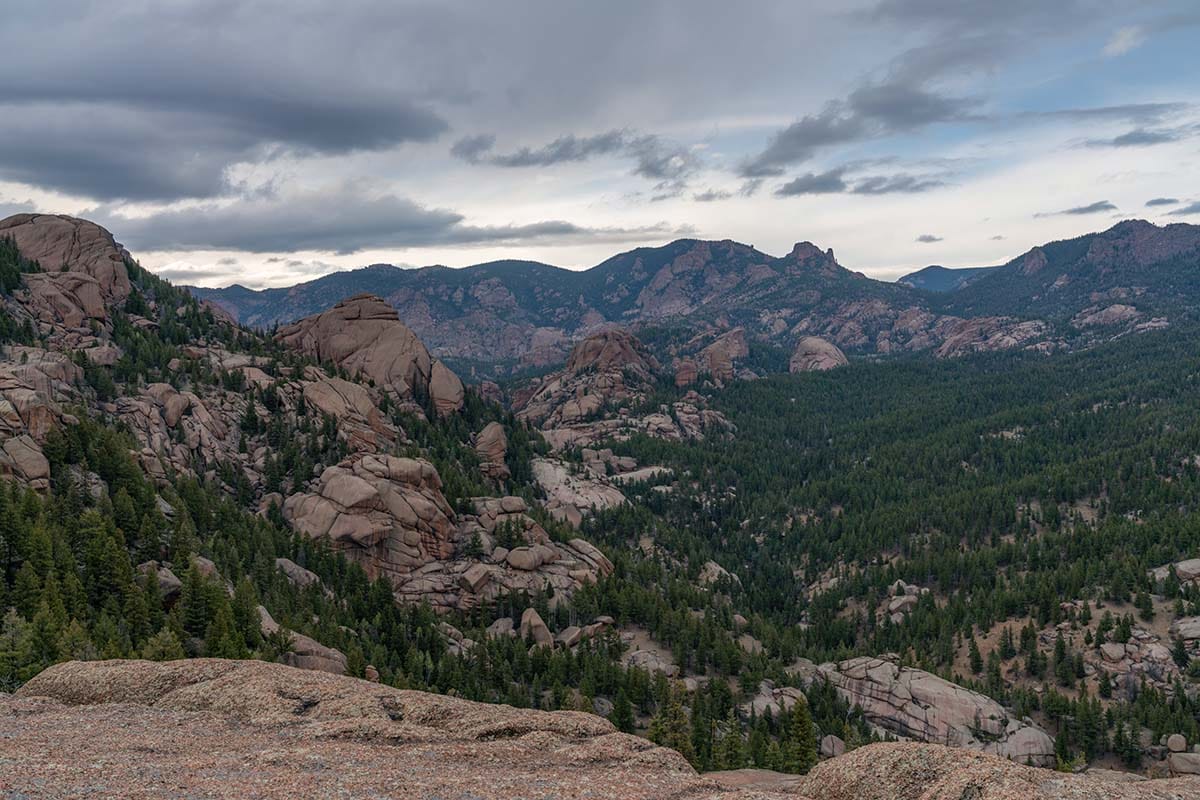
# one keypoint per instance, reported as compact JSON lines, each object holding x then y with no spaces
{"x":753,"y":572}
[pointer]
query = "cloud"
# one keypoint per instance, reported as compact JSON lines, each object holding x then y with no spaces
{"x":870,"y":111}
{"x":472,"y":148}
{"x":563,"y":149}
{"x":1161,"y":201}
{"x":928,"y":238}
{"x":655,"y":158}
{"x":1125,"y":39}
{"x":829,"y":182}
{"x":188,"y":275}
{"x":343,"y":220}
{"x":998,"y":238}
{"x":1139,"y":137}
{"x":711,"y":195}
{"x":137,"y":149}
{"x":1189,"y":209}
{"x":1091,"y":208}
{"x":893,"y":184}
{"x":834,"y":181}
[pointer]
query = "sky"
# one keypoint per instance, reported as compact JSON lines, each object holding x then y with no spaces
{"x":268,"y":143}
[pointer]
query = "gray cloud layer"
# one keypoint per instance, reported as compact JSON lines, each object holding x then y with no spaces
{"x":343,"y":220}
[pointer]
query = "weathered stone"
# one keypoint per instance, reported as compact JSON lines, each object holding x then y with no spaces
{"x":364,"y":336}
{"x":533,"y":628}
{"x":922,"y":706}
{"x":812,"y":353}
{"x":491,"y":445}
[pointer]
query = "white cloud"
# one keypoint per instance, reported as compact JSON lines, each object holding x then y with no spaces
{"x":1124,"y":40}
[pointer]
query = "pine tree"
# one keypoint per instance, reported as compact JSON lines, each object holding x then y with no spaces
{"x":671,"y":726}
{"x":622,"y":712}
{"x":975,"y":658}
{"x":163,"y":646}
{"x":799,"y":746}
{"x":732,"y":753}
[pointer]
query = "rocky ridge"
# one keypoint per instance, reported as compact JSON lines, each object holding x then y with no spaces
{"x":514,"y":315}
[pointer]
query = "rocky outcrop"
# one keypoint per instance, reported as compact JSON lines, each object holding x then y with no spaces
{"x":589,"y":400}
{"x":1116,"y":314}
{"x":990,"y":334}
{"x":384,"y":512}
{"x":570,"y":496}
{"x":491,"y":445}
{"x":919,"y":705}
{"x":305,"y":652}
{"x":814,"y":354}
{"x":236,"y":729}
{"x":389,"y":515}
{"x":603,"y":370}
{"x":84,"y":270}
{"x":363,"y":336}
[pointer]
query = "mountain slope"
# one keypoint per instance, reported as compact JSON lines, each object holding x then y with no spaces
{"x":944,"y":279}
{"x":496,"y":318}
{"x":1155,"y":270}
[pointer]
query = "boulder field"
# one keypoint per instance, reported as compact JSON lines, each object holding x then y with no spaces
{"x":236,"y":729}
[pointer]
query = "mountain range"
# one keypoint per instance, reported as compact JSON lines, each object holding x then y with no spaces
{"x":505,"y":316}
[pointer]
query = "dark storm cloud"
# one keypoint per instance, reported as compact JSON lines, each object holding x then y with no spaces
{"x":1091,"y":208}
{"x":928,"y":238}
{"x":157,"y":101}
{"x":830,"y":182}
{"x":342,"y":220}
{"x":1161,"y":201}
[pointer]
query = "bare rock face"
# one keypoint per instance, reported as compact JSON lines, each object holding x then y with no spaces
{"x":533,"y":564}
{"x":1116,"y":314}
{"x":389,"y":515}
{"x":384,"y":512}
{"x":686,"y":372}
{"x":919,"y":705}
{"x":990,"y":334}
{"x":534,"y":629}
{"x":236,"y":729}
{"x":587,"y":401}
{"x":813,"y":353}
{"x":608,"y":368}
{"x":569,"y":496}
{"x":720,"y":358}
{"x":306,"y":652}
{"x":364,"y":336}
{"x":491,"y":445}
{"x":84,"y":268}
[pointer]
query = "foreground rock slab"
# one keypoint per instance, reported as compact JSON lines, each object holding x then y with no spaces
{"x":241,"y":729}
{"x":247,"y":729}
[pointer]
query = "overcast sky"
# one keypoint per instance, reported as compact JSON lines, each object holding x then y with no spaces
{"x":267,"y":143}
